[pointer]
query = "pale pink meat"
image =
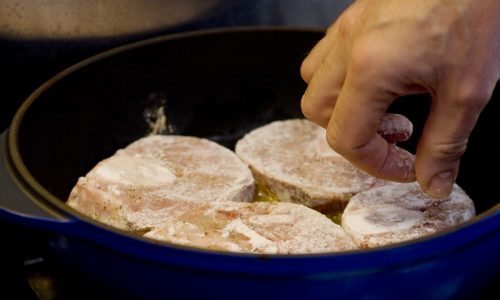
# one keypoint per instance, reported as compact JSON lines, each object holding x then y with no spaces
{"x":401,"y":211}
{"x":139,"y":187}
{"x":267,"y":228}
{"x":293,"y":159}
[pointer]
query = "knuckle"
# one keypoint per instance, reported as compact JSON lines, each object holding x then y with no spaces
{"x":451,"y":151}
{"x":333,"y":140}
{"x":362,"y":57}
{"x":344,"y":28}
{"x":346,"y":24}
{"x":306,"y":70}
{"x":473,"y":97}
{"x":307,"y":109}
{"x":315,"y":113}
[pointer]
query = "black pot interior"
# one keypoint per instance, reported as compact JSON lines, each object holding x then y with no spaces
{"x":216,"y":85}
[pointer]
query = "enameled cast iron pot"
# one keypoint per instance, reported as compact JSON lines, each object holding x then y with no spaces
{"x":220,"y":84}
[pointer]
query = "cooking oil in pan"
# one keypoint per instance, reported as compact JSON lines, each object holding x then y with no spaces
{"x":264,"y":194}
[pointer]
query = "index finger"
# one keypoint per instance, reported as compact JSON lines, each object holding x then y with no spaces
{"x":352,"y":129}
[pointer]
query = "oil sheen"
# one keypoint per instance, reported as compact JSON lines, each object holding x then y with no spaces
{"x":264,"y":194}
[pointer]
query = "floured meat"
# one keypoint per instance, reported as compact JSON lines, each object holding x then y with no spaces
{"x":293,"y":160}
{"x":271,"y":228}
{"x":400,"y":212}
{"x":143,"y":185}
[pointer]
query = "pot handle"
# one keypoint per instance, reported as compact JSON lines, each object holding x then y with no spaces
{"x":18,"y":206}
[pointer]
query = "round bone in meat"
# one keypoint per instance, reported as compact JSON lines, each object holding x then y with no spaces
{"x":401,"y":211}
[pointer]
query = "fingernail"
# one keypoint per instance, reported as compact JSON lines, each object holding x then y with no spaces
{"x":441,"y":185}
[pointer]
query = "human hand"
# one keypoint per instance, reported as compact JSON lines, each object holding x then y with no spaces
{"x":379,"y":50}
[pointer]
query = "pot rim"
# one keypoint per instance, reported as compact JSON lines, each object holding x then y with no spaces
{"x":56,"y":206}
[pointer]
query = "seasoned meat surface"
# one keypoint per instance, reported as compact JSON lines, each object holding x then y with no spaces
{"x":293,"y":160}
{"x":141,"y":186}
{"x":260,"y":227}
{"x":401,"y":211}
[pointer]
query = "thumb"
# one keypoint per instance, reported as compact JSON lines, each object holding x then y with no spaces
{"x":444,"y":139}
